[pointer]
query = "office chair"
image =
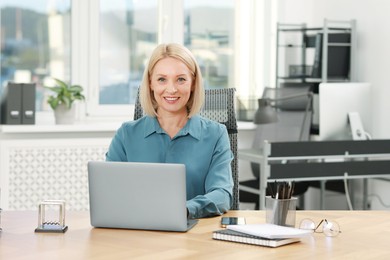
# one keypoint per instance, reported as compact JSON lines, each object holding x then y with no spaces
{"x":219,"y":106}
{"x":291,"y":121}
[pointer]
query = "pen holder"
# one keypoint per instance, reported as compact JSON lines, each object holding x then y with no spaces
{"x":280,"y":211}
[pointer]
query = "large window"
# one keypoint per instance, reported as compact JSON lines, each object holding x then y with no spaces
{"x":128,"y":34}
{"x":129,"y":30}
{"x":35,"y":43}
{"x":104,"y":45}
{"x":209,"y":33}
{"x":226,"y":37}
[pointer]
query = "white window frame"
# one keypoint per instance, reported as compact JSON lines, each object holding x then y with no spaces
{"x":252,"y":72}
{"x":255,"y":46}
{"x":170,"y":24}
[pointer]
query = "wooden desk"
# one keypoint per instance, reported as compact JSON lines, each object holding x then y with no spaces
{"x":365,"y":235}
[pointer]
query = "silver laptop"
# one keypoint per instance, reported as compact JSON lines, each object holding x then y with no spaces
{"x":130,"y":195}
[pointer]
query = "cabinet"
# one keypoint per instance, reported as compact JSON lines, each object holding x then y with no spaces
{"x":40,"y":162}
{"x":307,"y":56}
{"x":313,"y":55}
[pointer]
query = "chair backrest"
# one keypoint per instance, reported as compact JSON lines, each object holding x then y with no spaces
{"x":219,"y":106}
{"x":292,"y":119}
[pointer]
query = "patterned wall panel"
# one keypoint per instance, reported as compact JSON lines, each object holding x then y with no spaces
{"x":51,"y":170}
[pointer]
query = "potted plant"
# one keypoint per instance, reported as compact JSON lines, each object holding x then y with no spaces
{"x":62,"y":101}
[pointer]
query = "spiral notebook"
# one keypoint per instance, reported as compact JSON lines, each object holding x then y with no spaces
{"x":239,"y":237}
{"x":270,"y":231}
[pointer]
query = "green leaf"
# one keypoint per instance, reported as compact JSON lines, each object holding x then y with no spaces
{"x":56,"y":89}
{"x":64,"y":94}
{"x":53,"y":102}
{"x":62,"y":84}
{"x":75,"y":88}
{"x":67,"y":102}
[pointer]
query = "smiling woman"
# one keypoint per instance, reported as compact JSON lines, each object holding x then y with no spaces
{"x":172,"y":95}
{"x":183,"y":71}
{"x":171,"y":84}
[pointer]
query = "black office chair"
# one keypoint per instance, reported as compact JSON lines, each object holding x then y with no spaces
{"x":219,"y":106}
{"x":292,"y":118}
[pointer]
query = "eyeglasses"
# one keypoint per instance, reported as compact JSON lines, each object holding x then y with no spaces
{"x":328,"y":228}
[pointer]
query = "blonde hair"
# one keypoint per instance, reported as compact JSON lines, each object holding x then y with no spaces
{"x":182,"y":54}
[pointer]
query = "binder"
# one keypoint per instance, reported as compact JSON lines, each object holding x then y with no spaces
{"x":316,"y":71}
{"x":338,"y":56}
{"x":11,"y":104}
{"x":28,"y":103}
{"x":18,"y":104}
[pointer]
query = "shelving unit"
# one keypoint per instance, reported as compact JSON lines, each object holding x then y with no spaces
{"x":314,"y":55}
{"x":308,"y":56}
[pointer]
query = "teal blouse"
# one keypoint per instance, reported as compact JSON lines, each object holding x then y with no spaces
{"x":202,"y":145}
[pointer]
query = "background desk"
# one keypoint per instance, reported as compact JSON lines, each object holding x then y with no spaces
{"x":365,"y":235}
{"x":322,"y":161}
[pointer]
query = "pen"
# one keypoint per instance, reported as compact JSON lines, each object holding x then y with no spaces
{"x":282,"y":190}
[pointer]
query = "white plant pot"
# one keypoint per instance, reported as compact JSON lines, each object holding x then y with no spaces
{"x":64,"y":115}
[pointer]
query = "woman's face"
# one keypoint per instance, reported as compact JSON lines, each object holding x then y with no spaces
{"x":171,"y":83}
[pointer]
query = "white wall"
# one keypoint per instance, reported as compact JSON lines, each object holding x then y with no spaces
{"x":373,"y":51}
{"x":373,"y":55}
